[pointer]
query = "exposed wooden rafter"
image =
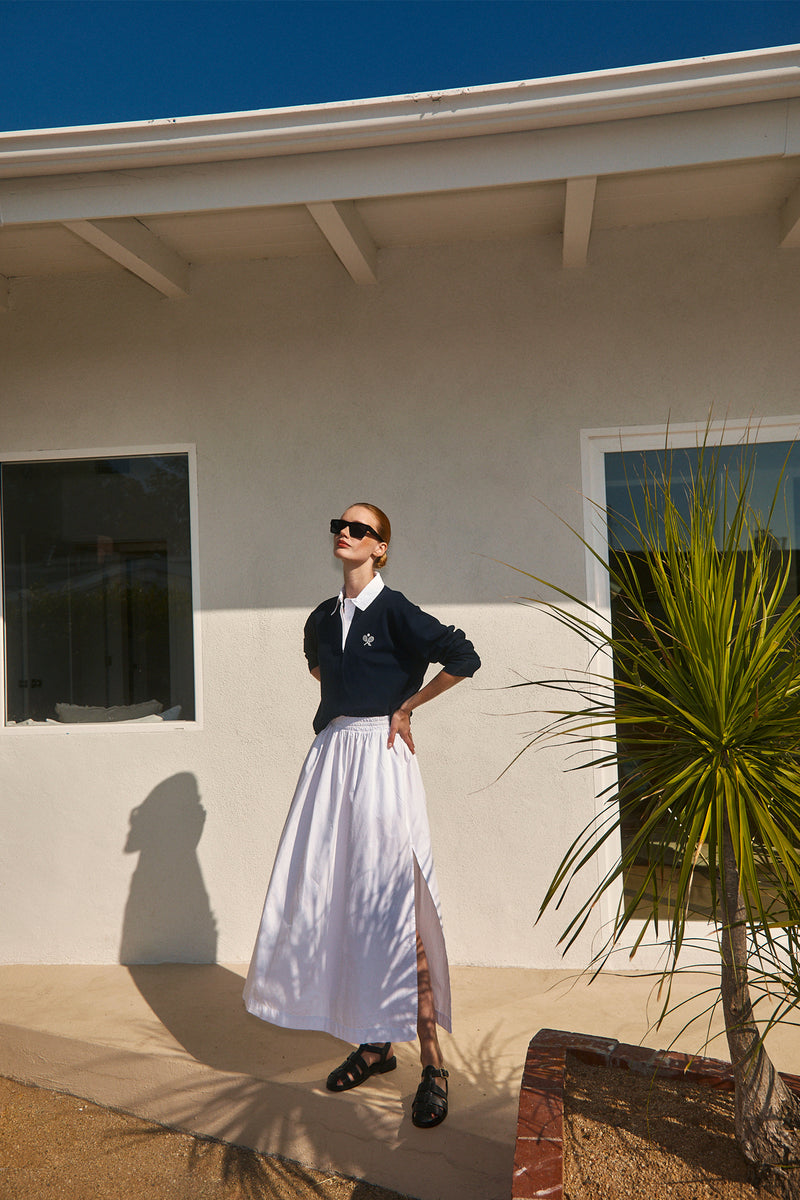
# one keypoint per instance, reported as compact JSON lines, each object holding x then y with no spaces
{"x":349,"y":238}
{"x":132,"y":245}
{"x":578,"y":212}
{"x":790,"y":220}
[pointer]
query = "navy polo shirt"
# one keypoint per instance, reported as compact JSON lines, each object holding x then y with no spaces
{"x":389,"y":647}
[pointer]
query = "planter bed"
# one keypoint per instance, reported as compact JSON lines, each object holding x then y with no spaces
{"x":539,"y":1156}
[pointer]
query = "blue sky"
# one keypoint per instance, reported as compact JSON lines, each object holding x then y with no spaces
{"x":80,"y":62}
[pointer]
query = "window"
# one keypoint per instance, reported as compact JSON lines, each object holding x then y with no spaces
{"x":97,"y":589}
{"x":615,"y":464}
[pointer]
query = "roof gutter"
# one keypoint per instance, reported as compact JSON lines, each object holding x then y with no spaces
{"x":718,"y":81}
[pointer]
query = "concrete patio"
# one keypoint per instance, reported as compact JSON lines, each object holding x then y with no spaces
{"x":173,"y":1043}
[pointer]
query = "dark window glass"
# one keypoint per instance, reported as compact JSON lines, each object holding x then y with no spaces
{"x":98,"y":589}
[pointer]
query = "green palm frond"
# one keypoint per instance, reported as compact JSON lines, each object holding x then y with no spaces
{"x":700,"y":713}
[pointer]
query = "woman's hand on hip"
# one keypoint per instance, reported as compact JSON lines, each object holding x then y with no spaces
{"x":401,"y":717}
{"x":401,"y":724}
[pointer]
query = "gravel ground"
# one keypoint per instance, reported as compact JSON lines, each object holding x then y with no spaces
{"x":56,"y":1146}
{"x":629,"y":1136}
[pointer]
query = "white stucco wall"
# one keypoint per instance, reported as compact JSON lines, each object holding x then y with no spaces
{"x":452,"y":394}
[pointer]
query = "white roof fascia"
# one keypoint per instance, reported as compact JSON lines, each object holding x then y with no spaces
{"x":717,"y":81}
{"x":674,"y":140}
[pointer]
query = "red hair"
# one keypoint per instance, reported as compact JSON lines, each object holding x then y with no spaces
{"x":383,"y":526}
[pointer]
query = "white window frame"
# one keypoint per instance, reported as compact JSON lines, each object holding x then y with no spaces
{"x":595,"y":444}
{"x":115,"y":727}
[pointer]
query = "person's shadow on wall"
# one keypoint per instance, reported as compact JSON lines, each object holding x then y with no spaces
{"x":169,"y":921}
{"x":168,"y":916}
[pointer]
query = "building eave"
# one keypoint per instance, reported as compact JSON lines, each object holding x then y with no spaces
{"x":718,"y":81}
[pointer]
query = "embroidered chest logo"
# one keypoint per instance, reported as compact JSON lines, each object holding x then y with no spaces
{"x":368,"y":639}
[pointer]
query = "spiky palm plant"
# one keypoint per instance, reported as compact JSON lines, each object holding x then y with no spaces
{"x":700,"y":716}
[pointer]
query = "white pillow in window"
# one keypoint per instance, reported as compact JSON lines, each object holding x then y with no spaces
{"x":81,"y":714}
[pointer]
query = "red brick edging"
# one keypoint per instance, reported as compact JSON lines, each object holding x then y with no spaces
{"x":539,"y":1157}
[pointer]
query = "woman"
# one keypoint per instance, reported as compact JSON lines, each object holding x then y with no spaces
{"x":351,"y":937}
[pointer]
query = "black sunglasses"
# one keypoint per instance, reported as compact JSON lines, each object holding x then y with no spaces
{"x":358,"y":529}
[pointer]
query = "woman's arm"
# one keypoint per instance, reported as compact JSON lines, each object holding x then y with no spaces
{"x":401,"y":718}
{"x":315,"y":672}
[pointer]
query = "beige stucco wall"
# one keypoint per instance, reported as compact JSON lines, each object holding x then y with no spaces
{"x":452,"y":394}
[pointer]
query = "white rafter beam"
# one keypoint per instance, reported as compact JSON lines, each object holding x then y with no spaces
{"x":790,"y":220}
{"x":578,"y":213}
{"x":5,"y":294}
{"x":349,"y":238}
{"x":132,"y":245}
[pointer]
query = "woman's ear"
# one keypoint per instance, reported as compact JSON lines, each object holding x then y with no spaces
{"x":380,"y":550}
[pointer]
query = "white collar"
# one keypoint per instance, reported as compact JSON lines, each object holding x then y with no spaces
{"x":365,"y":596}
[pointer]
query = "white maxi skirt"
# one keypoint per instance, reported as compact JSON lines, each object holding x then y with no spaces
{"x":353,"y":880}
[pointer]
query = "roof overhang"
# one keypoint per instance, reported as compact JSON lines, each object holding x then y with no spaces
{"x":709,"y":137}
{"x":719,"y":81}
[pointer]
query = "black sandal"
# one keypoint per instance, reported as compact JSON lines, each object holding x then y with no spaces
{"x":355,"y":1069}
{"x":429,"y":1106}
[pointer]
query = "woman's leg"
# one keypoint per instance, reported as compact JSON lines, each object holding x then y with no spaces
{"x":430,"y":1052}
{"x":429,"y":1106}
{"x":373,"y":1056}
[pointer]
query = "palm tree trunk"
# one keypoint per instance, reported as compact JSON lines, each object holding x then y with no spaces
{"x":767,"y":1114}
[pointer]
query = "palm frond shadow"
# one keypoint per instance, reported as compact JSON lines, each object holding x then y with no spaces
{"x":639,"y":1115}
{"x":266,"y":1106}
{"x":480,"y":1068}
{"x":252,"y":1175}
